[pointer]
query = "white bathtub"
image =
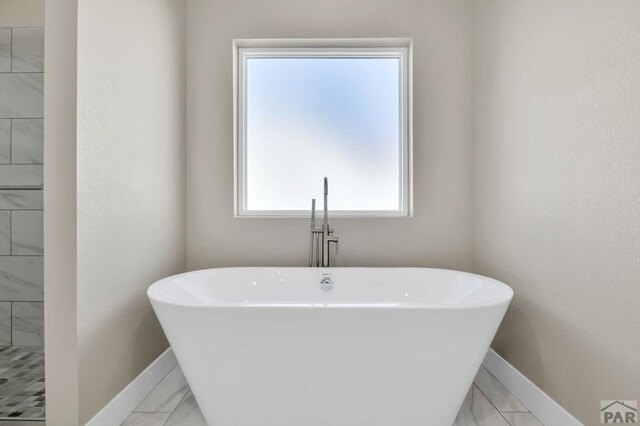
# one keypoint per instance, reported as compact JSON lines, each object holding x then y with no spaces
{"x":384,"y":346}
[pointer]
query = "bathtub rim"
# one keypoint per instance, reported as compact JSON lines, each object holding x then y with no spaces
{"x":504,"y":299}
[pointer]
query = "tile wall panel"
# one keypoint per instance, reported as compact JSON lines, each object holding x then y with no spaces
{"x":5,"y":324}
{"x":27,"y":50}
{"x":26,"y":141}
{"x":11,"y":174}
{"x":5,"y":36}
{"x":21,"y":95}
{"x":26,"y":232}
{"x":5,"y":50}
{"x":21,"y":278}
{"x":27,"y":323}
{"x":5,"y":58}
{"x":5,"y":232}
{"x":5,"y":141}
{"x":21,"y":148}
{"x":14,"y":199}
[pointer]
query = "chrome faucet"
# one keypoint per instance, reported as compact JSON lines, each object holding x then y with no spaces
{"x":321,"y":238}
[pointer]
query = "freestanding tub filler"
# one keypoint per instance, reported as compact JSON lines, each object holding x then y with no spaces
{"x":329,"y":346}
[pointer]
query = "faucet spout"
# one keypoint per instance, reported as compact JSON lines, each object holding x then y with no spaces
{"x":326,"y":209}
{"x":314,"y":235}
{"x":321,"y":238}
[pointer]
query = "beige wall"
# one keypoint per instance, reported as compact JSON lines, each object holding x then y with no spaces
{"x":557,"y":190}
{"x":438,"y":234}
{"x":22,"y":13}
{"x":552,"y":168}
{"x":61,"y":349}
{"x":130,"y":185}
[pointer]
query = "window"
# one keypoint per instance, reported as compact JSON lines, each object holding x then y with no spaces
{"x":309,"y":109}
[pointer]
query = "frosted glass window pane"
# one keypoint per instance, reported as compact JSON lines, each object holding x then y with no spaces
{"x":310,"y":117}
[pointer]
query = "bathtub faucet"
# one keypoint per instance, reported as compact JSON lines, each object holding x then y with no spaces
{"x":321,"y":238}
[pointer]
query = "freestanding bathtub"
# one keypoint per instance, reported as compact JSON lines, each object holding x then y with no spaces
{"x":370,"y":347}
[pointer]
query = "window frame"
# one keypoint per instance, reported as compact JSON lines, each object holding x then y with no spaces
{"x":400,"y":48}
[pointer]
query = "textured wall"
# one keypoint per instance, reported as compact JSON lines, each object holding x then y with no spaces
{"x":131,"y":204}
{"x":437,"y":235}
{"x":557,"y":190}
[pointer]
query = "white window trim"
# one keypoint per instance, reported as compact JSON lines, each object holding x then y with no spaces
{"x":389,"y":47}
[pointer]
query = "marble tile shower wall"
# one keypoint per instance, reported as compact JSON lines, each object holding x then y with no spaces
{"x":21,"y":147}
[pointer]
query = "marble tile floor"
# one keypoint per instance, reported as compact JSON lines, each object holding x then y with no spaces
{"x":488,"y":403}
{"x":21,"y":383}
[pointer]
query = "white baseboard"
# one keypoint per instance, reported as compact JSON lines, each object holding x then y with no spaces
{"x":539,"y":403}
{"x":119,"y":408}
